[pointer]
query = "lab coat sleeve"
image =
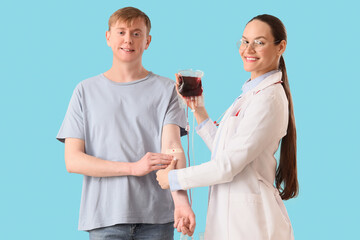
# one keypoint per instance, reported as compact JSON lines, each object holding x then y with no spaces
{"x":264,"y":121}
{"x":207,"y":132}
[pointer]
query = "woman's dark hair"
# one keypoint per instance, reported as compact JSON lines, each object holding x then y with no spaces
{"x":286,"y":174}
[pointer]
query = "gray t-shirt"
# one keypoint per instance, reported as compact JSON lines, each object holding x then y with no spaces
{"x":122,"y":122}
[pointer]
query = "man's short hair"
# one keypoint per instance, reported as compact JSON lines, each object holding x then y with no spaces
{"x":128,"y":15}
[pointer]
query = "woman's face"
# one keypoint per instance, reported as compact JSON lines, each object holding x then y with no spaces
{"x":258,"y":51}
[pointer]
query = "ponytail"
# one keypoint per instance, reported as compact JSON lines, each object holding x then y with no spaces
{"x":286,"y":174}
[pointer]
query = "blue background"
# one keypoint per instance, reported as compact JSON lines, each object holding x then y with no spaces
{"x":47,"y":47}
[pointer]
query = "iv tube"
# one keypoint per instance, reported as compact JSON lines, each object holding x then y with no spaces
{"x":188,"y":149}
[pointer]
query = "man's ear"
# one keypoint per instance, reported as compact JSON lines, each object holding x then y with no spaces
{"x":148,"y":40}
{"x":107,"y":36}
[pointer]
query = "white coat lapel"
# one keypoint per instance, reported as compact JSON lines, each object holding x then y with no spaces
{"x":270,"y":80}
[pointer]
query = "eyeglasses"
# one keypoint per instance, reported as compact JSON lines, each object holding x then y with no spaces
{"x":257,"y":45}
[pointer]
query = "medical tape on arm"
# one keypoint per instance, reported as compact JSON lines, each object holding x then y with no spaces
{"x":173,"y":150}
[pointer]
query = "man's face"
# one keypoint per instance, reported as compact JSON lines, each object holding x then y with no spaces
{"x":128,"y":42}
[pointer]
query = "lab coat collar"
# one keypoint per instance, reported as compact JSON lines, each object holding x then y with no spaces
{"x":268,"y":81}
{"x":252,"y":83}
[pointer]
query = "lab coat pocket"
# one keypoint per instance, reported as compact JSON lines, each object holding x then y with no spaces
{"x":273,"y":203}
{"x":246,"y":218}
{"x":277,"y":220}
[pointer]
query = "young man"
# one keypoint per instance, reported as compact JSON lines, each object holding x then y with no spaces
{"x":115,"y":127}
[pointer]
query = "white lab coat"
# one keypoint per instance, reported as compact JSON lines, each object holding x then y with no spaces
{"x":243,"y":203}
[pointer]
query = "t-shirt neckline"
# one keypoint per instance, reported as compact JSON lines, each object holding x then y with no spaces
{"x":126,"y":83}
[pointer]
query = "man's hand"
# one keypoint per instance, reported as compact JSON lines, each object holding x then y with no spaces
{"x":184,"y":220}
{"x":162,"y":175}
{"x":150,"y":162}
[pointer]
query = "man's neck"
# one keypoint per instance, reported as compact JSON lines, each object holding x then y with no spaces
{"x":120,"y":72}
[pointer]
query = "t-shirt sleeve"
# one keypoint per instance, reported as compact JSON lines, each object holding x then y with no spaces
{"x":175,"y":114}
{"x":73,"y":124}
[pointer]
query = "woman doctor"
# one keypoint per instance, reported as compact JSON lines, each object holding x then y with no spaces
{"x":243,"y":202}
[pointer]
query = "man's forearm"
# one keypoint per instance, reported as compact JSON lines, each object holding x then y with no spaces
{"x":180,"y":197}
{"x":85,"y":164}
{"x":77,"y":161}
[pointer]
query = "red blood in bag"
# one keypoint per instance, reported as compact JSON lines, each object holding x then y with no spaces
{"x":190,"y":86}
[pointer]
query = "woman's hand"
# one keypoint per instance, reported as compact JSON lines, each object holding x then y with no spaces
{"x":162,"y":175}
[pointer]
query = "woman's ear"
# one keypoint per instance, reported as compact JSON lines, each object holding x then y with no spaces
{"x":282,"y":47}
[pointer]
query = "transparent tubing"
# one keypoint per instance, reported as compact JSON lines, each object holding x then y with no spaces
{"x":201,"y":235}
{"x":192,"y":102}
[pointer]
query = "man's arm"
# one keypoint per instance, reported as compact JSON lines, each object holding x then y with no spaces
{"x":171,"y":144}
{"x":77,"y":161}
